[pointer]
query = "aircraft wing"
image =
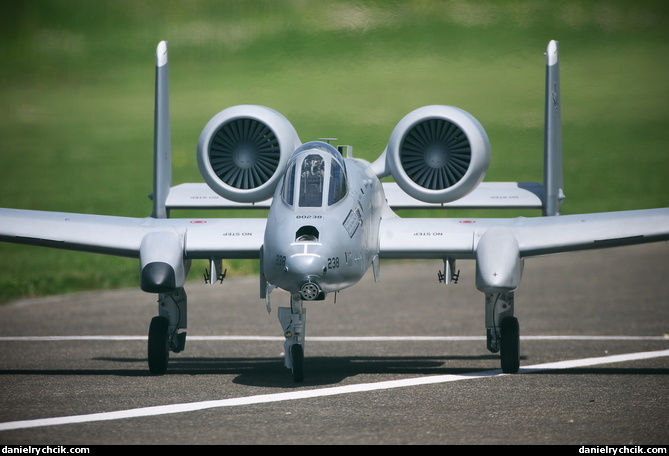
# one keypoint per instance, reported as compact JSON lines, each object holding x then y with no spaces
{"x":459,"y":238}
{"x":123,"y":236}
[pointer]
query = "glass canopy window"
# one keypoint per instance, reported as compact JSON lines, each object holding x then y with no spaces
{"x":315,"y":174}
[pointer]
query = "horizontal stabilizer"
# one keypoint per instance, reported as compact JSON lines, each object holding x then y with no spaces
{"x":201,"y":196}
{"x":488,"y":195}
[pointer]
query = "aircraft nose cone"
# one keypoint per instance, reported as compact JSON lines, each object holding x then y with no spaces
{"x":305,"y":272}
{"x":305,"y":265}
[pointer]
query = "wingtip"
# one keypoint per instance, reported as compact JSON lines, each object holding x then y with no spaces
{"x":161,"y":53}
{"x":552,"y":52}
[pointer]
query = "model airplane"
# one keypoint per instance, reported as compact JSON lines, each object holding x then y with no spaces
{"x":331,"y":218}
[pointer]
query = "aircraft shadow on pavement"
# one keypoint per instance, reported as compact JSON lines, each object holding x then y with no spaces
{"x":319,"y":371}
{"x":322,"y":370}
{"x":256,"y":371}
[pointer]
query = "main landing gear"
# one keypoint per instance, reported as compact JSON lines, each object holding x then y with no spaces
{"x":167,"y":331}
{"x":503,"y":330}
{"x":164,"y":331}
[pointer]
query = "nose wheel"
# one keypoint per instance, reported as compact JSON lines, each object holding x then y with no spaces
{"x":293,"y":320}
{"x":297,"y":355}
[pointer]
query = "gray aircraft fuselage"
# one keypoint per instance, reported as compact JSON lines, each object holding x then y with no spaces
{"x":321,"y":228}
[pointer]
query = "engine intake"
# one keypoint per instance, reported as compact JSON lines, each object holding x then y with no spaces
{"x":243,"y":150}
{"x":438,"y":154}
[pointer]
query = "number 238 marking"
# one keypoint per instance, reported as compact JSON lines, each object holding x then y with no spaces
{"x":333,"y":263}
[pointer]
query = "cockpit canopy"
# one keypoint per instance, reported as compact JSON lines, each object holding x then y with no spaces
{"x":315,"y":174}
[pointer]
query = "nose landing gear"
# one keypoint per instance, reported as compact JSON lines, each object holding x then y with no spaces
{"x":293,"y":321}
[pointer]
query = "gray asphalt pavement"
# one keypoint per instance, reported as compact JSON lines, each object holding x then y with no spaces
{"x":229,"y":385}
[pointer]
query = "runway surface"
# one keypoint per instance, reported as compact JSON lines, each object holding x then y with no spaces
{"x":401,"y":361}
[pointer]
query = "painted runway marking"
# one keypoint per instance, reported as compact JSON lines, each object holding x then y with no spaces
{"x":332,"y":338}
{"x":320,"y":392}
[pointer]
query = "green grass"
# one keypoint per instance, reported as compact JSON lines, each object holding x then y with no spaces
{"x":76,"y":97}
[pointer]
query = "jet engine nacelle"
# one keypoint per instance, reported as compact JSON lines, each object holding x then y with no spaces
{"x":243,"y":150}
{"x":438,"y":154}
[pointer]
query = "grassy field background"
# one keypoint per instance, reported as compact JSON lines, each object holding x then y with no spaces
{"x":77,"y":86}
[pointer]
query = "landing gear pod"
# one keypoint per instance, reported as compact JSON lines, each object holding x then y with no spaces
{"x":162,"y":265}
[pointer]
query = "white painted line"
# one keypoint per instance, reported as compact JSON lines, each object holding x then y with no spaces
{"x":594,"y":361}
{"x":320,"y":392}
{"x":332,"y":338}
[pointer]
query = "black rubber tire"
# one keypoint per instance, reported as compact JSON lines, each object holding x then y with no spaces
{"x":158,"y":349}
{"x":297,"y":355}
{"x":510,"y":345}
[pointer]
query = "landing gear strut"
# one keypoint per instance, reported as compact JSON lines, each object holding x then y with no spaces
{"x":293,"y":321}
{"x":164,"y":335}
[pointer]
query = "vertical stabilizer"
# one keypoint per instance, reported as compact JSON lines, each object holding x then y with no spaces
{"x":162,"y":171}
{"x":553,"y":190}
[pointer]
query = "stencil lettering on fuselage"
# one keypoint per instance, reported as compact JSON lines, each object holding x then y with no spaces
{"x":353,"y":221}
